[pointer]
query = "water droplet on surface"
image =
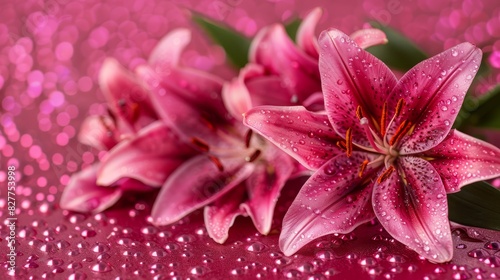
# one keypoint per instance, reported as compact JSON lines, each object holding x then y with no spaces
{"x":101,"y":267}
{"x":256,"y":247}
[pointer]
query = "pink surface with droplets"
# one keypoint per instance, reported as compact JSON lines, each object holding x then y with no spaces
{"x":50,"y":54}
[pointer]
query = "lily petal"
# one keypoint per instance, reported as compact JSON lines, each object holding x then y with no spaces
{"x":315,"y":103}
{"x":98,"y":132}
{"x":195,"y":184}
{"x":264,"y":186}
{"x":127,"y":97}
{"x":306,"y":136}
{"x":434,"y":91}
{"x":274,"y":50}
{"x":148,"y":158}
{"x":235,"y":93}
{"x":461,"y":160}
{"x":333,"y":200}
{"x":220,"y":215}
{"x":168,"y":51}
{"x":189,"y":101}
{"x":305,"y":38}
{"x":368,"y":37}
{"x":83,"y":195}
{"x":414,"y":210}
{"x":351,"y":77}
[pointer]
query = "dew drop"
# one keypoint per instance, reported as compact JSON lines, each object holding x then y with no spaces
{"x":256,"y":247}
{"x":101,"y":267}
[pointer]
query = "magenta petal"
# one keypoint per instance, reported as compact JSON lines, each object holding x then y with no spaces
{"x":369,"y":37}
{"x":461,"y":159}
{"x":235,"y":93}
{"x":351,"y":77}
{"x":126,"y":95}
{"x":195,"y":184}
{"x":306,"y":39}
{"x":306,"y":136}
{"x":315,"y":102}
{"x":274,"y":50}
{"x":83,"y":195}
{"x":434,"y":91}
{"x":168,"y":51}
{"x":270,"y":90}
{"x":220,"y":215}
{"x":149,"y":158}
{"x":333,"y":200}
{"x":415,"y":211}
{"x":190,"y":101}
{"x":264,"y":186}
{"x":98,"y":132}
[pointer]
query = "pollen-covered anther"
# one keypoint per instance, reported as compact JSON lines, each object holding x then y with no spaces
{"x":362,"y":168}
{"x":341,"y":145}
{"x":359,"y":112}
{"x":348,"y":141}
{"x":200,"y":144}
{"x":385,"y":174}
{"x":383,"y":119}
{"x":134,"y":112}
{"x":217,"y":162}
{"x":401,"y":131}
{"x":253,"y":156}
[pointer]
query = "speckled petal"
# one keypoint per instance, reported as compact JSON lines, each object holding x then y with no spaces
{"x":368,"y":37}
{"x":333,"y":200}
{"x":415,"y":211}
{"x":195,"y":184}
{"x":127,"y":97}
{"x":150,"y":157}
{"x":462,"y":159}
{"x":168,"y":51}
{"x":433,"y":91}
{"x":220,"y":215}
{"x":350,"y":76}
{"x":82,"y":194}
{"x":306,"y":39}
{"x":264,"y":186}
{"x":189,"y":101}
{"x":306,"y":136}
{"x":98,"y":132}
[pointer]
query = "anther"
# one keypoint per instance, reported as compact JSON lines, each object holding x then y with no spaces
{"x":403,"y":128}
{"x":248,"y":137}
{"x":362,"y":168}
{"x":205,"y":118}
{"x":111,"y":115}
{"x":200,"y":144}
{"x":253,"y":156}
{"x":399,"y":107}
{"x":106,"y":125}
{"x":383,"y":119}
{"x":341,"y":145}
{"x":384,"y":176}
{"x":359,"y":112}
{"x":348,"y":140}
{"x":217,"y":163}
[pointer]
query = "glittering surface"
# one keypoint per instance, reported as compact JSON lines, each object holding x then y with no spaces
{"x":50,"y":54}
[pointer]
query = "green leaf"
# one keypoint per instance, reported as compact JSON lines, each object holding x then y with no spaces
{"x":292,"y":27}
{"x":476,"y":205}
{"x":235,"y":44}
{"x":480,"y":112}
{"x":399,"y":52}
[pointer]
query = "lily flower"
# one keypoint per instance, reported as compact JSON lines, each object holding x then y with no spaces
{"x":283,"y":72}
{"x":235,"y":174}
{"x":385,"y":148}
{"x":141,"y":151}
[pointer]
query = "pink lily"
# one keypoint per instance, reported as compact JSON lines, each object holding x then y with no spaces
{"x":281,"y":72}
{"x":235,"y":174}
{"x":384,"y":149}
{"x":142,"y":151}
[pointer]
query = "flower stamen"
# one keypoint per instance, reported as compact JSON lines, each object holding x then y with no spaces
{"x":253,"y":156}
{"x":341,"y":145}
{"x":362,"y":168}
{"x":359,"y":112}
{"x":383,"y":119}
{"x":200,"y":144}
{"x":248,"y":137}
{"x":385,"y":175}
{"x":401,"y":131}
{"x":217,"y":163}
{"x":348,"y":140}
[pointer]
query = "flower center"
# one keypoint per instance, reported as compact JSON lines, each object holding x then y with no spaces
{"x":379,"y":139}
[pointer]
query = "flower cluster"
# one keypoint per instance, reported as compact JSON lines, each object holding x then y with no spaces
{"x":377,"y":147}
